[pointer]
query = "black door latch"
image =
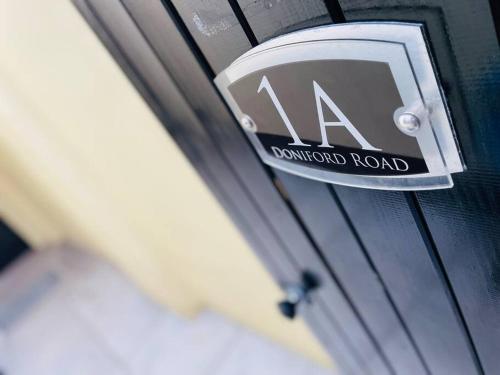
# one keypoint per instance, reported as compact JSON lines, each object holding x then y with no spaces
{"x":298,"y":292}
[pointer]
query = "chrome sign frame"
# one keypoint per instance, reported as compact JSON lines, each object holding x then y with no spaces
{"x":404,"y":48}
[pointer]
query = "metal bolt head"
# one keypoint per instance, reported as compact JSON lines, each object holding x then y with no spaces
{"x":408,"y":123}
{"x":248,"y":124}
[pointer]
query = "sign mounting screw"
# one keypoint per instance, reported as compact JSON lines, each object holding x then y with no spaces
{"x":248,"y":124}
{"x":408,"y":123}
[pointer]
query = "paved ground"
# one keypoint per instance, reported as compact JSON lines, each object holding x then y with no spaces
{"x":65,"y":313}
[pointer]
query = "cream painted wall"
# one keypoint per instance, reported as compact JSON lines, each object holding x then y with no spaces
{"x":82,"y":159}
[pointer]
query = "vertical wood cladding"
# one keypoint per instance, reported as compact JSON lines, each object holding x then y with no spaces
{"x":463,"y":222}
{"x":410,"y":279}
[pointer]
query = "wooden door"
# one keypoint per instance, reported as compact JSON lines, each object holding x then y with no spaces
{"x":408,"y":280}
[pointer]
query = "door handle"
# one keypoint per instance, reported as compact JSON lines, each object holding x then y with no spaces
{"x":297,"y":293}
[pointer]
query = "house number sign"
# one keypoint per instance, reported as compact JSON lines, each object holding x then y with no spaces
{"x":355,"y":104}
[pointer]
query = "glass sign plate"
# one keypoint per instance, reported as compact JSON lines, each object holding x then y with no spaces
{"x":356,"y":104}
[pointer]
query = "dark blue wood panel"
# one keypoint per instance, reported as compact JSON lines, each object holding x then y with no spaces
{"x":389,"y":232}
{"x":271,"y":18}
{"x":318,"y":208}
{"x":215,"y":29}
{"x":11,"y":245}
{"x":462,"y":223}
